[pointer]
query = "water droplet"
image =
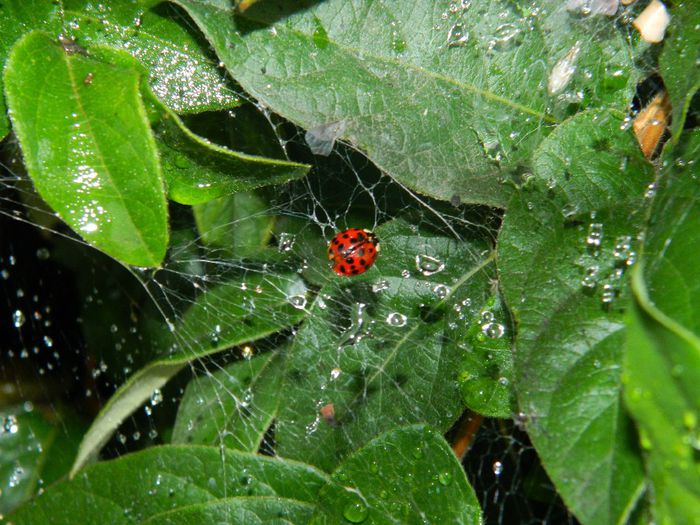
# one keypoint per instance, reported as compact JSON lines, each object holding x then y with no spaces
{"x":650,"y":191}
{"x":405,"y":274}
{"x":589,"y":280}
{"x":505,"y":36}
{"x":335,"y":373}
{"x":503,"y":381}
{"x":595,"y":235}
{"x":396,"y":319}
{"x":18,"y":318}
{"x":380,"y":285}
{"x":441,"y":291}
{"x":497,"y":468}
{"x":445,"y":478}
{"x":43,"y":254}
{"x":10,"y":425}
{"x":156,"y":397}
{"x":247,"y":352}
{"x":285,"y":242}
{"x":297,"y":301}
{"x":493,"y":330}
{"x":355,"y":512}
{"x":457,"y":36}
{"x":623,"y":247}
{"x":609,"y":293}
{"x":429,"y":265}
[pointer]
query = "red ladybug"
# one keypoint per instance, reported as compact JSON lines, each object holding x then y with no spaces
{"x":353,"y":251}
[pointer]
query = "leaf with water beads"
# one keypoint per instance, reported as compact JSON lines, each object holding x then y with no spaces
{"x":406,"y":475}
{"x":145,"y":485}
{"x":90,"y":154}
{"x":448,"y":100}
{"x":378,"y":350}
{"x":563,"y":276}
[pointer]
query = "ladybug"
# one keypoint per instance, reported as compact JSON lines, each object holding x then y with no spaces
{"x":353,"y":251}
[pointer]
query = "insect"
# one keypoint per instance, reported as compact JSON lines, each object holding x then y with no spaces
{"x":353,"y":251}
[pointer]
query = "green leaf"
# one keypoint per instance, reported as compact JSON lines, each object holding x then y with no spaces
{"x":249,"y":510}
{"x":662,"y":360}
{"x":182,"y":72}
{"x":198,"y":171}
{"x":679,"y":61}
{"x":35,"y":450}
{"x":408,"y":475}
{"x":383,"y":348}
{"x":563,"y":250}
{"x":18,"y":16}
{"x":88,"y":147}
{"x":138,"y":486}
{"x":449,"y":102}
{"x":228,"y":315}
{"x":238,"y":225}
{"x":233,"y":406}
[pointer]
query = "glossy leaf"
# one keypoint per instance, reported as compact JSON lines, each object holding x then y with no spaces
{"x":19,"y":16}
{"x":448,"y":101}
{"x":662,"y":360}
{"x":198,"y":171}
{"x":182,"y":72}
{"x":227,"y":315}
{"x":679,"y":61}
{"x":408,"y":475}
{"x":35,"y":450}
{"x":563,"y":251}
{"x":383,"y":348}
{"x":233,"y":406}
{"x":88,"y":147}
{"x":145,"y":484}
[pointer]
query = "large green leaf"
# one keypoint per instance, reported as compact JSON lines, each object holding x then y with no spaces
{"x":385,"y":347}
{"x":16,"y":18}
{"x":408,"y":475}
{"x":182,"y":72}
{"x":88,"y":147}
{"x":233,"y":406}
{"x":36,"y":449}
{"x":679,"y":61}
{"x":144,"y":485}
{"x":564,"y":247}
{"x":230,"y":314}
{"x":662,"y":361}
{"x":448,"y":99}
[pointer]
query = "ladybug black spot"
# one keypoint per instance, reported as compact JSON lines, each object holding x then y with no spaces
{"x":370,"y":250}
{"x":348,"y":260}
{"x":346,"y":236}
{"x":360,"y":236}
{"x":355,"y":272}
{"x":363,"y":262}
{"x":343,"y":269}
{"x":336,"y":241}
{"x":353,"y":240}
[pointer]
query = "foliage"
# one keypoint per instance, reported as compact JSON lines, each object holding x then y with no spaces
{"x":534,"y":265}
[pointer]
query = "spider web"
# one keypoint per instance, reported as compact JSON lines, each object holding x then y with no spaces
{"x":78,"y":323}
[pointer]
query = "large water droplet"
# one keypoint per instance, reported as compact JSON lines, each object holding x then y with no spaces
{"x":396,"y":319}
{"x":10,"y":425}
{"x":457,"y":36}
{"x":497,"y":468}
{"x":429,"y":265}
{"x":441,"y":291}
{"x":356,"y":512}
{"x":445,"y":478}
{"x":493,"y":330}
{"x":590,"y":280}
{"x":298,"y":301}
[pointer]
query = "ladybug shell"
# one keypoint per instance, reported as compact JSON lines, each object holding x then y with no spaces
{"x":353,"y":251}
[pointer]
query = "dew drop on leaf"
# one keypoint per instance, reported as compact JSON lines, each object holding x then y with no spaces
{"x":396,"y":319}
{"x":355,"y":512}
{"x":429,"y":265}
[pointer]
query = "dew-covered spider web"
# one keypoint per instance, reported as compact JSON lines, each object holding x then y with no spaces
{"x":276,"y":354}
